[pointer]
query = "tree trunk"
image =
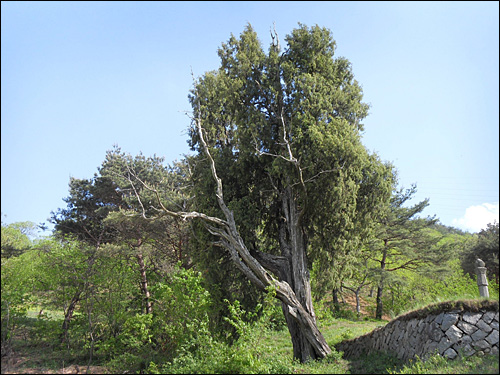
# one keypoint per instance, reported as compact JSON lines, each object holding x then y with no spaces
{"x":380,"y":289}
{"x":293,"y":247}
{"x":335,"y":300}
{"x":293,"y":288}
{"x":144,"y":283}
{"x":380,"y":307}
{"x":358,"y":307}
{"x":356,"y":295}
{"x":302,"y":349}
{"x":69,"y":315}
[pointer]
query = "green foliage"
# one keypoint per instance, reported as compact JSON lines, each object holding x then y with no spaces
{"x":220,"y":358}
{"x":18,"y":282}
{"x":182,"y":306}
{"x":267,"y":315}
{"x":52,"y":272}
{"x":61,"y":269}
{"x":146,"y":186}
{"x":131,"y":349}
{"x":145,"y":183}
{"x":404,"y":241}
{"x":405,"y":288}
{"x":177,"y":326}
{"x":258,"y":351}
{"x":15,"y":238}
{"x":245,"y":355}
{"x":418,"y":290}
{"x":486,"y":247}
{"x":88,"y":204}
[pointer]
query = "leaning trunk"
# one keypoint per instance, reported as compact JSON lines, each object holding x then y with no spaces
{"x":293,"y":248}
{"x":69,"y":315}
{"x":293,"y":288}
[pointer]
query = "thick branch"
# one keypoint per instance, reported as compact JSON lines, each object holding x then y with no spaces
{"x":274,"y":263}
{"x":254,"y":270}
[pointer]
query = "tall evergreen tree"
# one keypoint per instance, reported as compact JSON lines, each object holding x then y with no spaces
{"x":156,"y":242}
{"x":281,"y":131}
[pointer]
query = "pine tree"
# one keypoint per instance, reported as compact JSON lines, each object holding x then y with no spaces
{"x":403,"y":240}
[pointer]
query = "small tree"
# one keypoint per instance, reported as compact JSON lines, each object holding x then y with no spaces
{"x":359,"y":277}
{"x":403,"y":241}
{"x":485,"y":248}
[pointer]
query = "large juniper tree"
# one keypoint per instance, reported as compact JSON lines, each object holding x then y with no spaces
{"x":280,"y":134}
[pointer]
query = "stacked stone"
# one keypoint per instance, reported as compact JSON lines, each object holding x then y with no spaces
{"x":469,"y":332}
{"x":448,"y":333}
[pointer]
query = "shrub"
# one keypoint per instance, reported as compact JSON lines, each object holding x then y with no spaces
{"x":244,"y":355}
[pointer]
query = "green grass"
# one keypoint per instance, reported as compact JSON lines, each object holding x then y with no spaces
{"x":38,"y":351}
{"x":337,"y":330}
{"x":462,"y":365}
{"x":275,"y":344}
{"x":35,"y":347}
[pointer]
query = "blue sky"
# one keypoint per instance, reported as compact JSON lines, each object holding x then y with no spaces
{"x":79,"y":77}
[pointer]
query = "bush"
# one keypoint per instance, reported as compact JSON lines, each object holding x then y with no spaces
{"x":177,"y":326}
{"x":243,"y":356}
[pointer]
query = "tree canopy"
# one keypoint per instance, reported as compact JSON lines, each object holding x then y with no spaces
{"x":15,"y":238}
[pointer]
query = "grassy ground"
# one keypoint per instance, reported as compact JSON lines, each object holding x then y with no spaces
{"x":379,"y":363}
{"x":33,"y":354}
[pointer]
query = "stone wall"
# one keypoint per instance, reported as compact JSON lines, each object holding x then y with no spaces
{"x":448,"y":328}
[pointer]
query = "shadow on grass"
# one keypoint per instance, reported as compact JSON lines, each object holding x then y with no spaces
{"x":375,"y":363}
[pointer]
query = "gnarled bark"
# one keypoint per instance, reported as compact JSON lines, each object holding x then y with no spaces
{"x":292,"y":284}
{"x":69,"y":315}
{"x":293,"y":290}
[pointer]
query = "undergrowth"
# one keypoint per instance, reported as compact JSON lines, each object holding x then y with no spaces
{"x":259,"y":346}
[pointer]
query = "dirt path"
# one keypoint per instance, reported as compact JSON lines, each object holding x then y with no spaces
{"x":13,"y":364}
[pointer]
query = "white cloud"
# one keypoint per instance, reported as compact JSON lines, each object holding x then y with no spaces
{"x":477,"y":217}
